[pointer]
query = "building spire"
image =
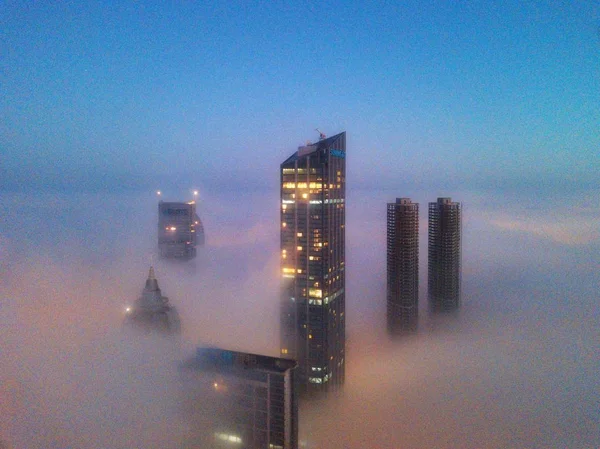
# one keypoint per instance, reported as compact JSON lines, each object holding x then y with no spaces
{"x":151,"y":282}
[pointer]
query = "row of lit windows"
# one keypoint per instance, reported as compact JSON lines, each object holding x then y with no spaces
{"x":300,"y":171}
{"x":302,"y":185}
{"x":228,"y":438}
{"x":319,"y":380}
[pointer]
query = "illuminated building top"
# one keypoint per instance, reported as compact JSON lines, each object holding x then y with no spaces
{"x":313,"y":187}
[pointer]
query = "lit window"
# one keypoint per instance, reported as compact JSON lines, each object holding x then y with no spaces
{"x":299,"y":234}
{"x":315,"y":293}
{"x":305,"y":195}
{"x":284,"y":224}
{"x":299,"y":248}
{"x":229,"y":438}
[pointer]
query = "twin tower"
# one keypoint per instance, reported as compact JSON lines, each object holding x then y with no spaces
{"x":313,"y":269}
{"x":444,"y":270}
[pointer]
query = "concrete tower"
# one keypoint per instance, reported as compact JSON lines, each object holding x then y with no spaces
{"x":445,"y":234}
{"x":402,"y":266}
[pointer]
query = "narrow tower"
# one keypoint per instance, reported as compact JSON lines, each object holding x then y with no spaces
{"x":444,"y":255}
{"x":313,"y":192}
{"x":402,"y":266}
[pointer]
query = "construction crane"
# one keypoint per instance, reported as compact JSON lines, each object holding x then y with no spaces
{"x":321,"y":135}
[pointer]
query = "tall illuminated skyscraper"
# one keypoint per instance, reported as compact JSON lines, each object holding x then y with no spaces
{"x":402,"y":266}
{"x":313,"y":218}
{"x":445,"y":234}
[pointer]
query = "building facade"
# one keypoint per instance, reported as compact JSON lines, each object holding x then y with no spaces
{"x":313,"y":220}
{"x":402,"y":266}
{"x":235,"y":399}
{"x":180,"y":230}
{"x":152,"y":311}
{"x":445,"y":248}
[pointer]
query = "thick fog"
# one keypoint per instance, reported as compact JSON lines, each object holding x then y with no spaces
{"x":518,"y":368}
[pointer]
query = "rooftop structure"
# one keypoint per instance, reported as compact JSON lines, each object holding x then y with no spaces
{"x":180,"y":230}
{"x":237,"y":399}
{"x":152,"y":312}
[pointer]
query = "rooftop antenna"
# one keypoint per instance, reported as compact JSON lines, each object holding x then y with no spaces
{"x":321,"y":135}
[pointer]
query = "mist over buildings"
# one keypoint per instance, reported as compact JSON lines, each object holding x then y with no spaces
{"x":494,"y":104}
{"x":517,"y":368}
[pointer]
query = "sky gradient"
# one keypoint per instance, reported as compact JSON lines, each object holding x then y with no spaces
{"x":97,"y":94}
{"x":494,"y":104}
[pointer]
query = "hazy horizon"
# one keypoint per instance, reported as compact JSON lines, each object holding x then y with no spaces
{"x":515,"y":369}
{"x":496,"y":105}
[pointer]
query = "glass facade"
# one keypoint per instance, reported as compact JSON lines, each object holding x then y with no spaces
{"x":313,"y":220}
{"x":180,"y":230}
{"x":236,"y":399}
{"x":445,"y":235}
{"x":402,"y":266}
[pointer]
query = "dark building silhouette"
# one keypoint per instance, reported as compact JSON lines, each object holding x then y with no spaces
{"x":235,"y":399}
{"x":180,"y":230}
{"x":402,"y":266}
{"x":152,"y":312}
{"x":313,"y":192}
{"x":445,"y":233}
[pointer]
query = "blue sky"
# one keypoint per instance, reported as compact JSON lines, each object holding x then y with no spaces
{"x":474,"y":92}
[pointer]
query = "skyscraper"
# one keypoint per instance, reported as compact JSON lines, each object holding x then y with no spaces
{"x":179,"y":230}
{"x":236,"y":399}
{"x":313,"y":192}
{"x":402,"y":266}
{"x":445,"y":233}
{"x":152,"y":312}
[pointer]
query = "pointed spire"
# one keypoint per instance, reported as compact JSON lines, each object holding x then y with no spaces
{"x":151,"y":282}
